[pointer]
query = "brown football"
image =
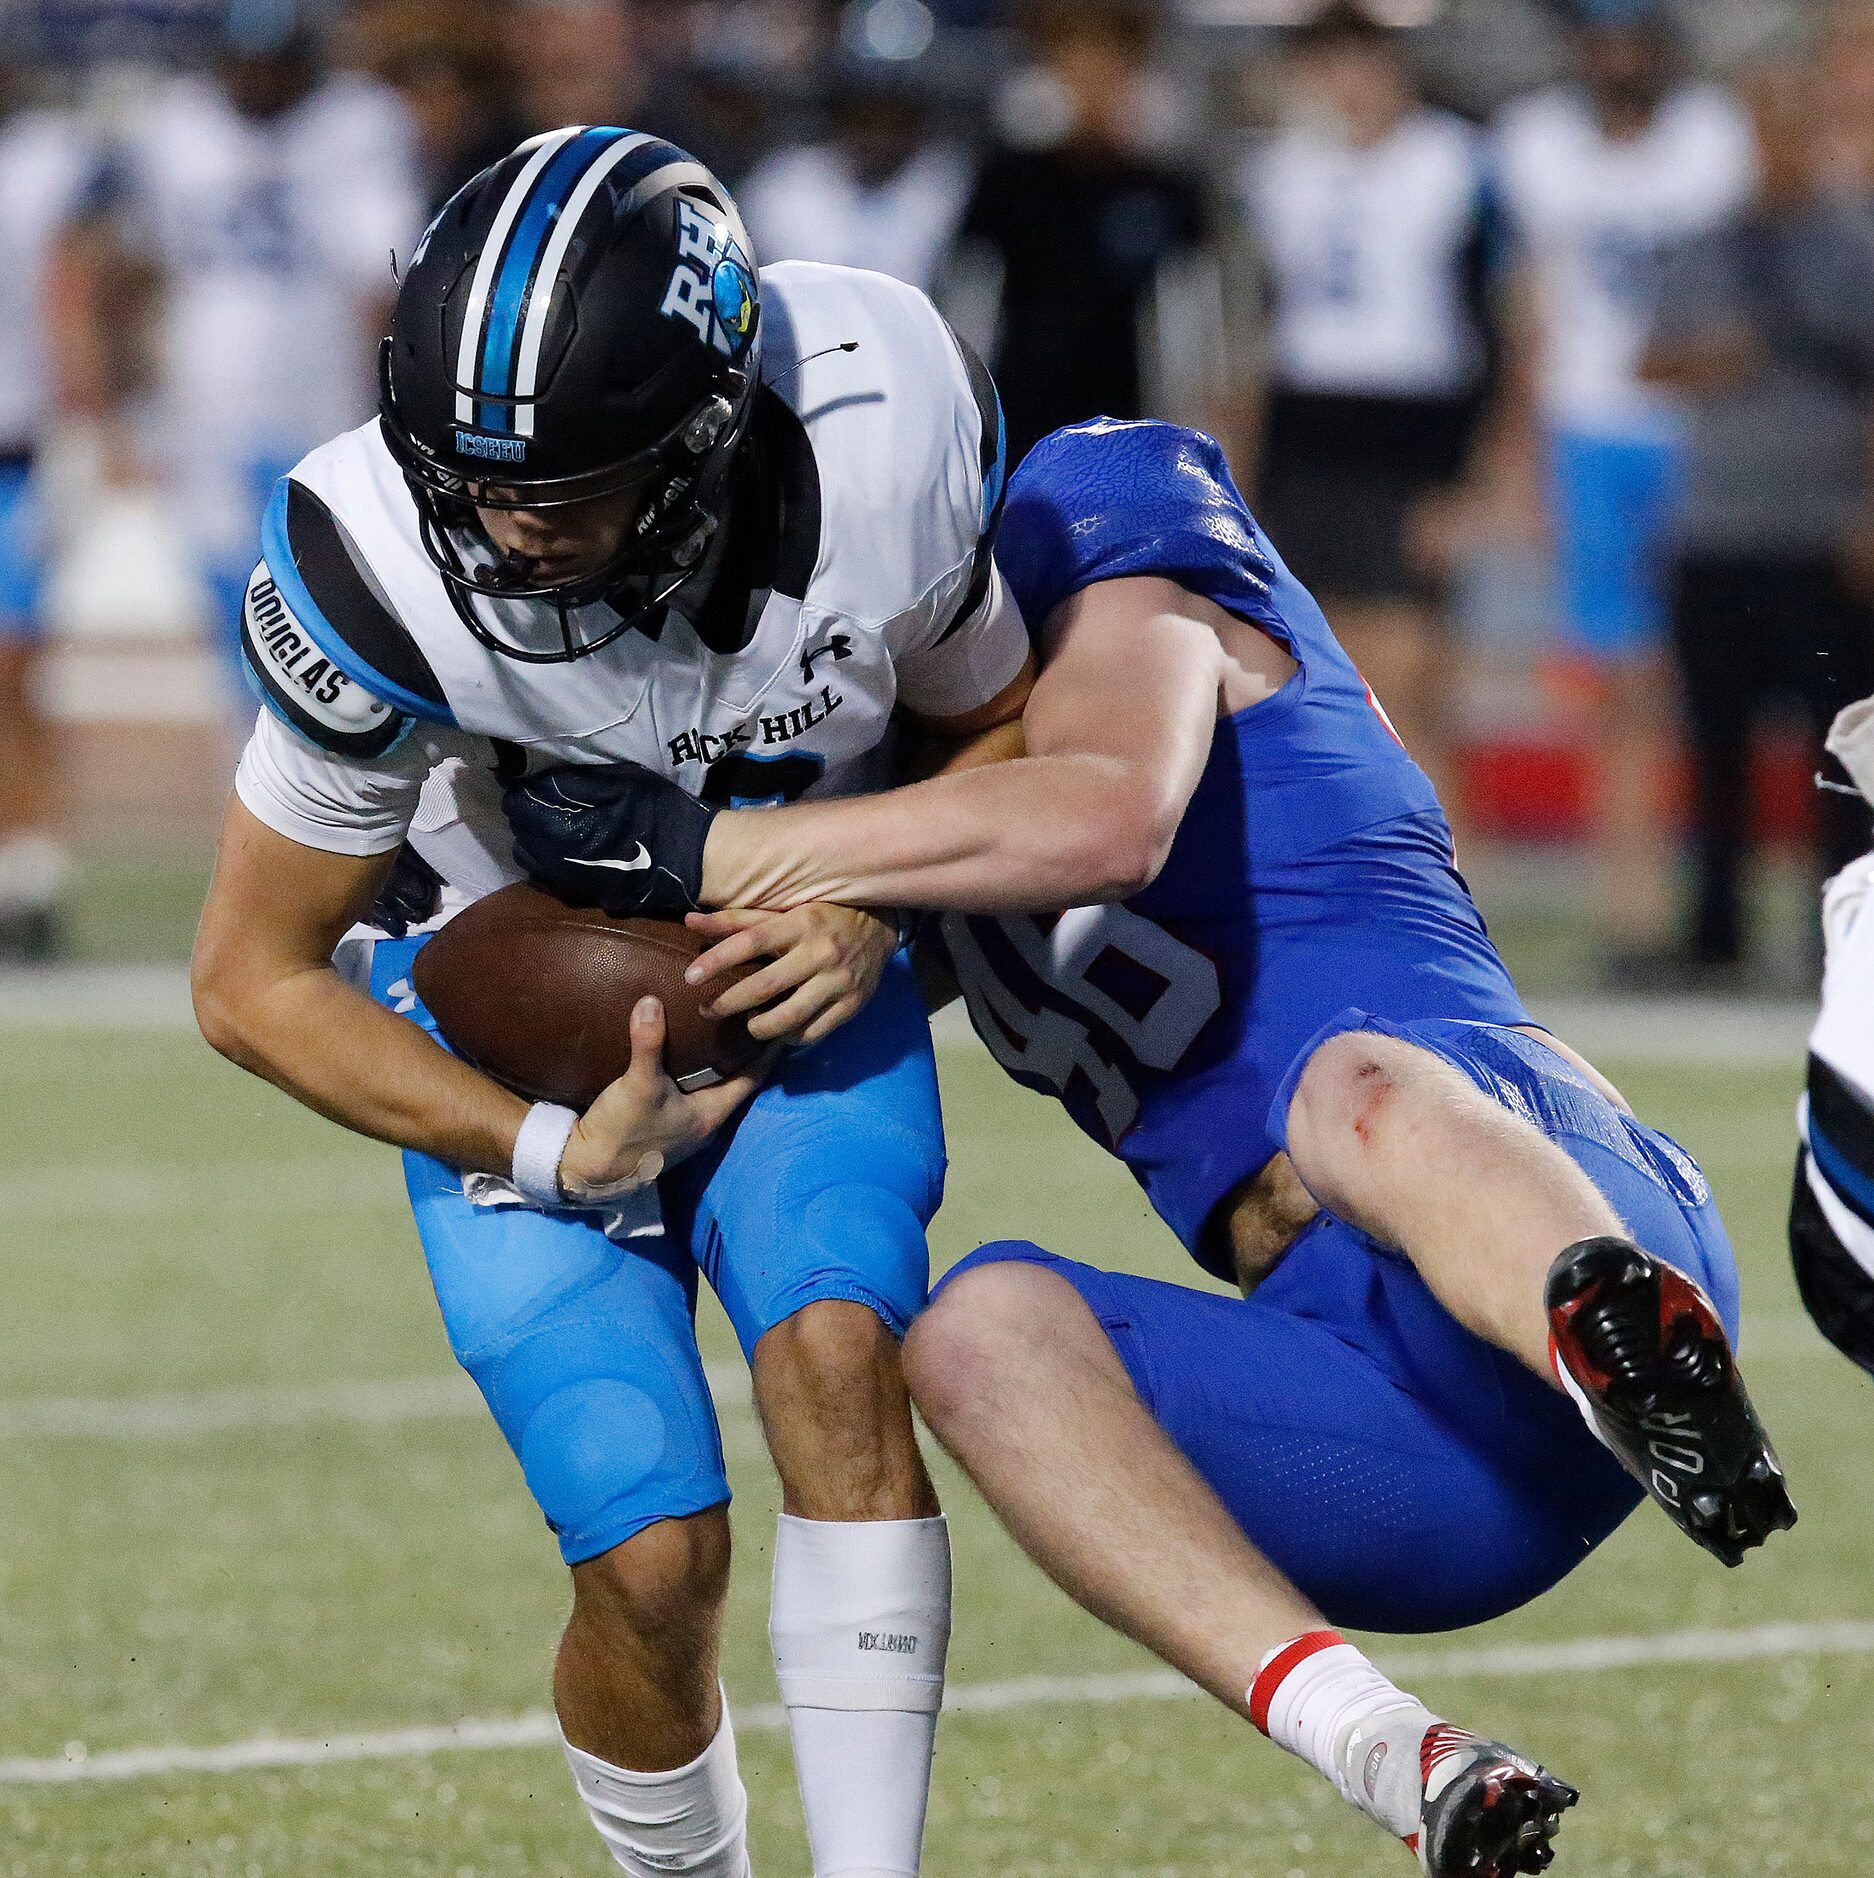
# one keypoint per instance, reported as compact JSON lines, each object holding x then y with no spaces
{"x":538,"y":995}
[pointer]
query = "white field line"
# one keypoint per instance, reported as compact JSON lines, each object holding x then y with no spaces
{"x":96,"y":998}
{"x":1580,"y":1657}
{"x":393,"y":1402}
{"x":385,"y":1404}
{"x":52,"y":1193}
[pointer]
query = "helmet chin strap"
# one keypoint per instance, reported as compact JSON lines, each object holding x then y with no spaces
{"x":698,"y":557}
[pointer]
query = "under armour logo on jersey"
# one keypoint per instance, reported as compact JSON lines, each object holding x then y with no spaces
{"x":402,"y":997}
{"x":839,"y":645}
{"x":712,"y":286}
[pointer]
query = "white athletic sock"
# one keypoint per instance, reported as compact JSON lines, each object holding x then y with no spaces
{"x":1319,"y":1698}
{"x":693,"y":1822}
{"x":860,"y":1627}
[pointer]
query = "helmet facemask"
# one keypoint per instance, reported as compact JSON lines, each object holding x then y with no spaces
{"x":685,"y":480}
{"x":637,"y":331}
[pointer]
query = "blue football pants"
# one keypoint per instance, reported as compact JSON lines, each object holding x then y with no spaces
{"x":1405,"y":1475}
{"x":585,"y":1348}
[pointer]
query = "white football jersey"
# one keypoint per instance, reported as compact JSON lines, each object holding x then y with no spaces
{"x":861,"y":581}
{"x":1595,"y":216}
{"x":1368,"y":250}
{"x":46,"y":163}
{"x":274,"y":240}
{"x":1843,"y":1038}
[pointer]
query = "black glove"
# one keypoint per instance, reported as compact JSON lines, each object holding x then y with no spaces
{"x":410,"y":896}
{"x":621,"y":838}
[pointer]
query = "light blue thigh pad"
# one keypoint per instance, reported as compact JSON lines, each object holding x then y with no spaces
{"x":585,"y":1350}
{"x":830,"y":1178}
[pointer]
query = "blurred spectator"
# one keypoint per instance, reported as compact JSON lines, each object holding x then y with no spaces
{"x":44,"y":168}
{"x":1079,"y":244}
{"x":1766,"y":324}
{"x":679,"y":69}
{"x":577,"y":62}
{"x":732,"y":82}
{"x":1601,"y":179}
{"x":267,"y":199}
{"x":882,"y":191}
{"x":449,"y":60}
{"x":1369,"y":210}
{"x":1845,"y":99}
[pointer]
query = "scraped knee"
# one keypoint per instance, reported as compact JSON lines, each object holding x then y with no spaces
{"x":1348,"y":1096}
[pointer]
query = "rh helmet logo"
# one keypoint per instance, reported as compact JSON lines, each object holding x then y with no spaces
{"x":712,"y":287}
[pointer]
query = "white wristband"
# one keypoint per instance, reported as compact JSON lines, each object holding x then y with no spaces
{"x":537,"y":1151}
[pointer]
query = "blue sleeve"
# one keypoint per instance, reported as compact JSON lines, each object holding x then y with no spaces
{"x":1106,"y":500}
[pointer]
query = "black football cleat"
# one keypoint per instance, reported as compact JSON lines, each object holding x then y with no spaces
{"x":1488,"y":1812}
{"x":1643,"y":1351}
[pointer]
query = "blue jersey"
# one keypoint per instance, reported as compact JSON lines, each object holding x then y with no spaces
{"x":1312,"y":871}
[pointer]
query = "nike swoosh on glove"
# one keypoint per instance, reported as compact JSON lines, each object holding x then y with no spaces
{"x":616,"y":836}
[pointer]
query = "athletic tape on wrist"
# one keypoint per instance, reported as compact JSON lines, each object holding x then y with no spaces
{"x":537,"y":1151}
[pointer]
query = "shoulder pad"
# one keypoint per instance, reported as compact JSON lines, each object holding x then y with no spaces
{"x":302,"y":686}
{"x":323,"y":581}
{"x":1107,"y":500}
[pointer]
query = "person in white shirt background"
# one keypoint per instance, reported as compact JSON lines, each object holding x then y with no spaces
{"x":882,"y":189}
{"x":1601,"y":178}
{"x":44,"y":170}
{"x":1370,"y":214}
{"x":268,"y":199}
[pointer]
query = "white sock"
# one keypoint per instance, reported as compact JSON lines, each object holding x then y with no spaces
{"x":692,"y":1822}
{"x":35,"y":870}
{"x":1319,"y":1698}
{"x":860,"y":1627}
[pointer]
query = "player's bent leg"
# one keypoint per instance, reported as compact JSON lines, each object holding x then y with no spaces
{"x":636,"y":1671}
{"x":1015,"y":1375}
{"x":638,"y":1664}
{"x":1575,"y":1239}
{"x":830,"y":1390}
{"x":1376,"y":1129}
{"x":586,"y":1354}
{"x":810,"y":1225}
{"x":1106,"y":1418}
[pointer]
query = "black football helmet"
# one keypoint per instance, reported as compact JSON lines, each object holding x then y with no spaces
{"x":581,"y":320}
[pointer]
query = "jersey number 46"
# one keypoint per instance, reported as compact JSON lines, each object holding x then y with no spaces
{"x":1083,"y":1005}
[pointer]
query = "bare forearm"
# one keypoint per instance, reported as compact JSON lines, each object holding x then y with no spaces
{"x":1034,"y":834}
{"x":332,"y":1048}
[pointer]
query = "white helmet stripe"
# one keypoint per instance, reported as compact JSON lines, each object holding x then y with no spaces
{"x":546,"y":148}
{"x":540,"y":294}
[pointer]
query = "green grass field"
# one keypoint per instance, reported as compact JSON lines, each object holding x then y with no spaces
{"x":242,"y":1499}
